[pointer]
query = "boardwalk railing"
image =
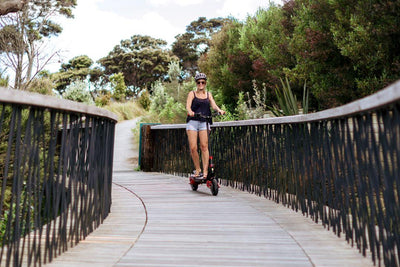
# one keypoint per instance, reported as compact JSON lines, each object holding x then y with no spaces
{"x":338,"y":166}
{"x":55,"y":175}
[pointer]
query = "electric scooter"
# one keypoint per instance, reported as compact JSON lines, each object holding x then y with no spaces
{"x":211,"y":181}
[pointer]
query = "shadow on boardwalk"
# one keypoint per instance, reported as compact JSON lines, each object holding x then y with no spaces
{"x":156,"y":220}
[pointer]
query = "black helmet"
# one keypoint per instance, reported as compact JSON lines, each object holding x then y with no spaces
{"x":200,"y":76}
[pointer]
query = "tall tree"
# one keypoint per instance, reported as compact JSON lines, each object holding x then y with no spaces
{"x":142,"y":60}
{"x":78,"y":68}
{"x":227,"y":67}
{"x":368,"y":34}
{"x":189,"y":46}
{"x":23,"y":35}
{"x":265,"y":38}
{"x":329,"y":74}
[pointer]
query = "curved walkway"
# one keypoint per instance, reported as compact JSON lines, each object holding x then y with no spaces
{"x":156,"y":220}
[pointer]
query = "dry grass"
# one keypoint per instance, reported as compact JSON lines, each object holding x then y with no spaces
{"x":127,"y":111}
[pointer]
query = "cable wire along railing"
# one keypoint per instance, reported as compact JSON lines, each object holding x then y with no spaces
{"x":55,"y":175}
{"x":338,"y":166}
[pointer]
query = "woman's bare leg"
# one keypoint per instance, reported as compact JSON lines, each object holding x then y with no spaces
{"x":204,"y":151}
{"x":192,"y":138}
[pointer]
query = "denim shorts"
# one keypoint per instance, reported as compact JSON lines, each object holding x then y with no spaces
{"x":193,"y":125}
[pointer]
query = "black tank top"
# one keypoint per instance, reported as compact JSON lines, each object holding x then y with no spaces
{"x":201,"y":106}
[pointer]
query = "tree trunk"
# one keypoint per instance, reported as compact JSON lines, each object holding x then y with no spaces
{"x":8,"y":6}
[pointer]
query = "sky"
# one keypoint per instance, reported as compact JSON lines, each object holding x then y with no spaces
{"x":99,"y":25}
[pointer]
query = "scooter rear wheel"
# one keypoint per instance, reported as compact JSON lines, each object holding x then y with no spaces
{"x":214,"y":187}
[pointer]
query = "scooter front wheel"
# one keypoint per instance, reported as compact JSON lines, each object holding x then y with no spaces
{"x":194,"y":186}
{"x":214,"y":187}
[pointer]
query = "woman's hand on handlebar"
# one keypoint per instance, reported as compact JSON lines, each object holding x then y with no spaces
{"x":221,"y":112}
{"x":191,"y":113}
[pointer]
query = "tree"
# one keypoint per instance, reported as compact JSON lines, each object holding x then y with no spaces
{"x":23,"y":35}
{"x":189,"y":46}
{"x":368,"y":34}
{"x":141,"y":59}
{"x":8,"y":6}
{"x":318,"y":61}
{"x":227,"y":66}
{"x":265,"y":38}
{"x":119,"y":87}
{"x":77,"y":68}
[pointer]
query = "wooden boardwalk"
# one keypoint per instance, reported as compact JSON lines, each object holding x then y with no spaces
{"x":157,"y":220}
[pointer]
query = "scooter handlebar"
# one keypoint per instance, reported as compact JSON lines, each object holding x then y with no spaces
{"x":199,"y":115}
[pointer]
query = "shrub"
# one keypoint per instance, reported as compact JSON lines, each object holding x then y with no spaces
{"x":77,"y":91}
{"x":103,"y":99}
{"x":42,"y":86}
{"x":144,"y":99}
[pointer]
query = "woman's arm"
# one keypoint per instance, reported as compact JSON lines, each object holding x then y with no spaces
{"x":189,"y":101}
{"x":214,"y":105}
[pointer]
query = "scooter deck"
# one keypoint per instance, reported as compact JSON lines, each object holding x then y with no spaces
{"x":199,"y":180}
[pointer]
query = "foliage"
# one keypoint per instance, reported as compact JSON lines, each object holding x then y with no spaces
{"x":174,"y":71}
{"x":256,"y":104}
{"x":168,"y":109}
{"x":172,"y":111}
{"x":288,"y":104}
{"x":41,"y":85}
{"x":241,"y":108}
{"x":228,"y":116}
{"x":126,"y":111}
{"x":118,"y":87}
{"x":77,"y":91}
{"x":22,"y":36}
{"x":344,"y":49}
{"x":319,"y":61}
{"x":367,"y":33}
{"x":144,"y":99}
{"x":264,"y":38}
{"x":142,"y":60}
{"x":11,"y":6}
{"x":189,"y":46}
{"x":226,"y":66}
{"x":159,"y":98}
{"x":103,"y":99}
{"x":3,"y":79}
{"x":77,"y":68}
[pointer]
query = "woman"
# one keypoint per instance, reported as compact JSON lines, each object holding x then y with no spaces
{"x":199,"y":101}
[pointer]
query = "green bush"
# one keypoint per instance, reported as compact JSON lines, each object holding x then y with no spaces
{"x":77,"y":91}
{"x":42,"y":85}
{"x":144,"y":99}
{"x":173,"y":112}
{"x":103,"y":99}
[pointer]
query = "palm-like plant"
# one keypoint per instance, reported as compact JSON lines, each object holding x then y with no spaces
{"x":287,"y":100}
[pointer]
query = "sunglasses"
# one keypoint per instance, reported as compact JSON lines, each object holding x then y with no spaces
{"x":201,"y":82}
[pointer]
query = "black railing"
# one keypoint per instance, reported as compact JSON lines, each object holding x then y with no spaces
{"x":55,"y":175}
{"x":339,"y":166}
